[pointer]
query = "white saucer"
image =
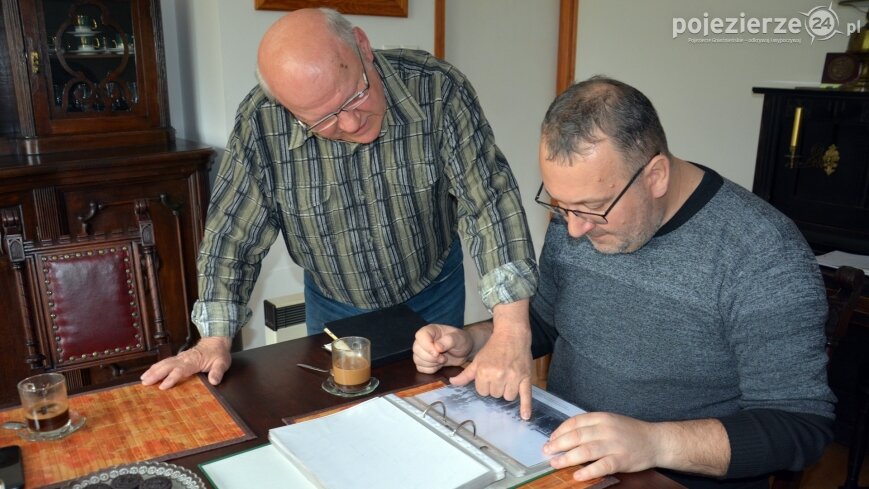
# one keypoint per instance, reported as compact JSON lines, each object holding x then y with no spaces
{"x":75,"y":422}
{"x":330,"y":387}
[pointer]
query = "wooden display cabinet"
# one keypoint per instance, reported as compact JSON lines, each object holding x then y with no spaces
{"x":84,"y":132}
{"x":83,"y":74}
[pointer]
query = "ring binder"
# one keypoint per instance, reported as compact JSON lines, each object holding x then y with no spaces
{"x":408,"y":442}
{"x":390,"y":427}
{"x":443,"y":414}
{"x":473,"y":425}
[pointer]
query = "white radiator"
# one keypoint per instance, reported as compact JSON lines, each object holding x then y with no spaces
{"x":284,"y":318}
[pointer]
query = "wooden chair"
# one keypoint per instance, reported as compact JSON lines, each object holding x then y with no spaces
{"x":857,"y":450}
{"x":94,"y":301}
{"x":843,"y":292}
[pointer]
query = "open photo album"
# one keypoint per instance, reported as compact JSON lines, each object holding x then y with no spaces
{"x":449,"y":437}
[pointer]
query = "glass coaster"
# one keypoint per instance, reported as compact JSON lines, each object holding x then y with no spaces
{"x":330,"y":387}
{"x":76,"y":421}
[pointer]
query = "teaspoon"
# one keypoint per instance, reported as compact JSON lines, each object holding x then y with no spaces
{"x":311,"y":367}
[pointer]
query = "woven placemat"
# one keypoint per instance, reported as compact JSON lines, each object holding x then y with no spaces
{"x":130,"y":423}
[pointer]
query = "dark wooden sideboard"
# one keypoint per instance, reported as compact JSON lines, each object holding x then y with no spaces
{"x":63,"y":194}
{"x":84,"y":135}
{"x":813,"y":165}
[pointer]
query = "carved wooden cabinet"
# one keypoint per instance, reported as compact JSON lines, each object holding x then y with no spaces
{"x":813,"y":165}
{"x":84,"y":135}
{"x":61,"y":195}
{"x":83,"y":74}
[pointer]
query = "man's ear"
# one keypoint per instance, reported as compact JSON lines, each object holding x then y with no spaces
{"x":363,"y":43}
{"x":657,"y":175}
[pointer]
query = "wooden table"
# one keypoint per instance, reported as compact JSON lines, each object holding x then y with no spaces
{"x":264,"y":385}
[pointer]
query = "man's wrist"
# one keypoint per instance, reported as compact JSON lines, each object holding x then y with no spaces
{"x":511,"y":319}
{"x":479,"y":333}
{"x":698,"y":446}
{"x":216,"y":342}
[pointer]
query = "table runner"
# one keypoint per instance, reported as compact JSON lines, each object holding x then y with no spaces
{"x":130,"y":423}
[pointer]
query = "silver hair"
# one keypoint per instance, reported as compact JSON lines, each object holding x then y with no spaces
{"x":263,"y":85}
{"x":340,"y":26}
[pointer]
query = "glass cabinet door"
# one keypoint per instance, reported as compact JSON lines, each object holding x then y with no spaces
{"x":95,"y":67}
{"x":92,"y":56}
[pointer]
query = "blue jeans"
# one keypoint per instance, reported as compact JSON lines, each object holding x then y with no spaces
{"x":443,"y":301}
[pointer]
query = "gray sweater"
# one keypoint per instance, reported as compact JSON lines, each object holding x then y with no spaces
{"x":720,"y":315}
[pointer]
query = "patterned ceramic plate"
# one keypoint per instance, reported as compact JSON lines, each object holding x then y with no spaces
{"x":181,"y":478}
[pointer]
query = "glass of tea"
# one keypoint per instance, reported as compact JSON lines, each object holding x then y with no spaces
{"x":45,"y":407}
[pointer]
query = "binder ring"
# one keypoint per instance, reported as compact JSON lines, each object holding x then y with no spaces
{"x":443,"y":407}
{"x":473,"y":426}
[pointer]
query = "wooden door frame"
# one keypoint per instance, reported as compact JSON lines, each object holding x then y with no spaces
{"x":568,"y":16}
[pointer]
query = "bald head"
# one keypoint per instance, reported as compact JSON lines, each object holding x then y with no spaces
{"x":304,"y":57}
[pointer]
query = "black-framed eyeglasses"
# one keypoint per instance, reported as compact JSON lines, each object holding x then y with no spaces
{"x":352,"y":103}
{"x":591,"y":217}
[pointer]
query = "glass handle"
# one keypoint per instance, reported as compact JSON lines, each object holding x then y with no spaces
{"x":34,"y":62}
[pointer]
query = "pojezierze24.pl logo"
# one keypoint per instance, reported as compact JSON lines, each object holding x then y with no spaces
{"x":820,"y":23}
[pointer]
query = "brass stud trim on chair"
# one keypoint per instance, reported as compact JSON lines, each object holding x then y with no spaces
{"x":51,"y":304}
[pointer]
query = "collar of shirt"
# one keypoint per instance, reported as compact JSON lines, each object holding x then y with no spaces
{"x":401,"y":108}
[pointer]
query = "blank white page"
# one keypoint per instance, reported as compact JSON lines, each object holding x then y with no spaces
{"x":263,"y":468}
{"x":376,"y":444}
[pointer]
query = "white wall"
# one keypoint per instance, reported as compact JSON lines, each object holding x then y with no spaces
{"x":703,"y":91}
{"x":211,"y":52}
{"x":508,"y":49}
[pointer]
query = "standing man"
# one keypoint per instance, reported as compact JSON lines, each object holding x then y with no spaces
{"x":682,"y":311}
{"x":371,"y":164}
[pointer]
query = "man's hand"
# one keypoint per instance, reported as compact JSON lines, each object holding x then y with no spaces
{"x":502,"y":368}
{"x":610,"y":443}
{"x":210,"y":355}
{"x":438,"y":345}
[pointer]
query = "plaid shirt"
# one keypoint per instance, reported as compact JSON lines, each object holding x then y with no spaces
{"x":372,"y":223}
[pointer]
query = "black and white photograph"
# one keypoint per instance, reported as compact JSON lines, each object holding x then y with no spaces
{"x":498,"y":423}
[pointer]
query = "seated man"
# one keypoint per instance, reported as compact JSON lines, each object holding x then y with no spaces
{"x":688,"y":322}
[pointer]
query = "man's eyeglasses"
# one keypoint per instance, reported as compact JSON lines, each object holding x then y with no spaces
{"x":352,"y":103}
{"x":591,"y":217}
